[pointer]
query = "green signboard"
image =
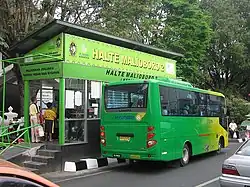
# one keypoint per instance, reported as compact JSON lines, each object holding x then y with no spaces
{"x":51,"y":50}
{"x":93,"y":53}
{"x":90,"y":59}
{"x":102,"y":74}
{"x":42,"y":71}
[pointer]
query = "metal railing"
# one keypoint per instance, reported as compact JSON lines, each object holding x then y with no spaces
{"x":7,"y":136}
{"x":5,"y":140}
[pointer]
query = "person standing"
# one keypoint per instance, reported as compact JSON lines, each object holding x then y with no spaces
{"x":49,"y":117}
{"x":232,"y":128}
{"x":34,"y":119}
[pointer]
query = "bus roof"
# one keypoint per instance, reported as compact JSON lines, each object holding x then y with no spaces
{"x":171,"y":83}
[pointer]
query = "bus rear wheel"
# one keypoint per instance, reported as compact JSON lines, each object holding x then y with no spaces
{"x":220,"y":145}
{"x":185,"y":156}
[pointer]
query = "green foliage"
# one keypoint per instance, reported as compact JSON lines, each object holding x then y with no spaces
{"x":238,"y":108}
{"x":188,"y":32}
{"x":176,"y":25}
{"x":214,"y":35}
{"x":227,"y":63}
{"x":128,"y":19}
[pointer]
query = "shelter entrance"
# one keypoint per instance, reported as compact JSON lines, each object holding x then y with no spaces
{"x":47,"y":91}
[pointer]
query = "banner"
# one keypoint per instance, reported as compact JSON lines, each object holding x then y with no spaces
{"x":41,"y":71}
{"x":102,"y":74}
{"x":88,"y":52}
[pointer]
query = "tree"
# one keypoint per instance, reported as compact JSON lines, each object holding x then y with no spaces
{"x":177,"y":25}
{"x":227,"y":63}
{"x":238,"y":108}
{"x":17,"y":17}
{"x":20,"y":17}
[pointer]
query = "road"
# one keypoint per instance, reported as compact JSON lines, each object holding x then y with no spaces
{"x":202,"y":171}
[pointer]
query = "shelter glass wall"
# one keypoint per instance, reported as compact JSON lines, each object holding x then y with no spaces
{"x":82,"y":103}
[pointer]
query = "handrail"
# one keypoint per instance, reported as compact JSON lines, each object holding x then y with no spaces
{"x":12,"y":132}
{"x":4,"y":129}
{"x":9,"y":144}
{"x":11,"y":60}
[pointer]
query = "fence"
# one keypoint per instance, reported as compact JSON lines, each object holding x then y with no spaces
{"x":11,"y":135}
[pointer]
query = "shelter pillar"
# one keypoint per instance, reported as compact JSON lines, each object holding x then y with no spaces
{"x":61,"y":111}
{"x":26,"y":106}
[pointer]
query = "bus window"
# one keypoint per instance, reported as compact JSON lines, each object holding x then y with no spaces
{"x":131,"y":97}
{"x":203,"y":104}
{"x":222,"y":113}
{"x":186,"y":102}
{"x":213,"y":106}
{"x":168,"y":101}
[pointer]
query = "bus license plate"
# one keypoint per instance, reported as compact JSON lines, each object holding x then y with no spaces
{"x":124,"y":138}
{"x":135,"y":156}
{"x":117,"y":155}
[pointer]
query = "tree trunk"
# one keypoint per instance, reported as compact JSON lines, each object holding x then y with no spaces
{"x":20,"y":87}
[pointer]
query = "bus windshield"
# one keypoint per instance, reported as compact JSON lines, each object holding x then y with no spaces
{"x":128,"y":97}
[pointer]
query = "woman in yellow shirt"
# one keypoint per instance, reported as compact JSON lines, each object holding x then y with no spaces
{"x":49,"y":117}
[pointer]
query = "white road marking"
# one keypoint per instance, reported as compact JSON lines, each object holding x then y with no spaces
{"x":208,"y":182}
{"x":82,"y":176}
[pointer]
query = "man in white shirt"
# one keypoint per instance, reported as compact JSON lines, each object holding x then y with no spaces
{"x":232,"y":128}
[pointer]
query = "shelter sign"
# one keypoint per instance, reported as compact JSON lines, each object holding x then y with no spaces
{"x":89,"y":52}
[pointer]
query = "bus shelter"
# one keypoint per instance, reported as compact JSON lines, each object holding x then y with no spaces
{"x":66,"y":64}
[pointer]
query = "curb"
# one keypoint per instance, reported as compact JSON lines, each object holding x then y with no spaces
{"x":91,"y":163}
{"x":236,"y":140}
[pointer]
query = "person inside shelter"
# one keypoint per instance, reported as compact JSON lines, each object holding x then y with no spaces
{"x":49,"y":117}
{"x":34,"y":119}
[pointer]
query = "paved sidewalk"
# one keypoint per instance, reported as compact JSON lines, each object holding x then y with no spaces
{"x":62,"y":175}
{"x":16,"y":151}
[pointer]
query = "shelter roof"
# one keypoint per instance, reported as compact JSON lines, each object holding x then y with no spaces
{"x":56,"y":27}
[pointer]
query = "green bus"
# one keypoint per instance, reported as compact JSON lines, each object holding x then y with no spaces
{"x":161,"y":120}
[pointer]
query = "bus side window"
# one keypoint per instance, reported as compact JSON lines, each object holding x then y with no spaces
{"x":168,"y":101}
{"x":213,"y":106}
{"x":163,"y":100}
{"x":202,"y":104}
{"x":222,"y":113}
{"x":186,"y":102}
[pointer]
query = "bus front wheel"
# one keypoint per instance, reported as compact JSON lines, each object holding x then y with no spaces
{"x":185,"y":156}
